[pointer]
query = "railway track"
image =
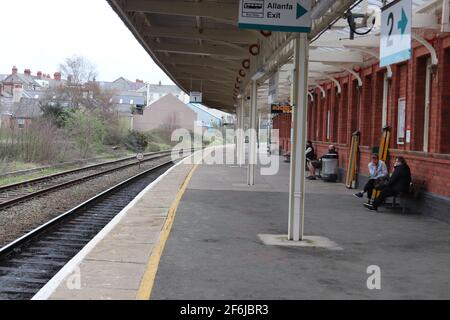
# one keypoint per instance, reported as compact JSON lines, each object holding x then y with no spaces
{"x":28,"y":263}
{"x":23,"y":191}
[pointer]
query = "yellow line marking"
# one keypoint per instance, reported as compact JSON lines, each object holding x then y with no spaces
{"x":146,"y":287}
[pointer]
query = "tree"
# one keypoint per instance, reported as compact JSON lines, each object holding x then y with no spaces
{"x":54,"y":112}
{"x":78,"y":70}
{"x":87,"y":131}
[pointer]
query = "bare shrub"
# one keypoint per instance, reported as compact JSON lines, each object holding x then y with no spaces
{"x":36,"y":142}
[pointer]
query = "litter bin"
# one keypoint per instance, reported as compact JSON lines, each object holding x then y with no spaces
{"x":330,"y":164}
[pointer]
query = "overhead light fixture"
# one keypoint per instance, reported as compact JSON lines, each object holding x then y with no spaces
{"x":259,"y":74}
{"x":321,"y":8}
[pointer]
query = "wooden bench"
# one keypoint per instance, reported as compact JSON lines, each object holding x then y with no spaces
{"x":400,"y":201}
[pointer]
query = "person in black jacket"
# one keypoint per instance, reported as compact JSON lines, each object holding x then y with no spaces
{"x":399,"y":182}
{"x":310,"y":157}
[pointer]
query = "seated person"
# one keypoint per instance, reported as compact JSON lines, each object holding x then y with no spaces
{"x":331,"y":150}
{"x":378,"y":171}
{"x":310,"y":156}
{"x":398,"y":183}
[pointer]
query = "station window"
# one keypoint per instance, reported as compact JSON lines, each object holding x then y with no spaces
{"x":445,"y":106}
{"x":320,"y":108}
{"x":335,"y":117}
{"x":343,"y":115}
{"x":355,"y":105}
{"x":380,"y":112}
{"x":328,"y":115}
{"x":365,"y":123}
{"x":421,"y":125}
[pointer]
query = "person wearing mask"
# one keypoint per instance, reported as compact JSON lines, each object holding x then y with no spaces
{"x":377,"y":172}
{"x":398,"y":183}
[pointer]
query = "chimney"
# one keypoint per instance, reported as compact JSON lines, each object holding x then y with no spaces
{"x":27,"y":72}
{"x":17,"y":93}
{"x":14,"y":70}
{"x":160,"y":82}
{"x":69,"y":78}
{"x":139,"y":81}
{"x":57,"y":76}
{"x":39,"y":74}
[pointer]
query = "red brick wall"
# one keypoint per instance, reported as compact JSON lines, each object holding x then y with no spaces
{"x":283,"y":122}
{"x":353,"y":110}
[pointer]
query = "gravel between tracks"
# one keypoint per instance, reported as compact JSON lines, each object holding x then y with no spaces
{"x":22,"y":218}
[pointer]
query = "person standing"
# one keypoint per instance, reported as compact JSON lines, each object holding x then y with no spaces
{"x":310,"y":156}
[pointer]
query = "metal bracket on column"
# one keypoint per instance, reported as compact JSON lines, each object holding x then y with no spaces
{"x":311,"y":96}
{"x":356,"y":75}
{"x":321,"y":90}
{"x":426,"y":44}
{"x":336,"y":82}
{"x":376,"y":56}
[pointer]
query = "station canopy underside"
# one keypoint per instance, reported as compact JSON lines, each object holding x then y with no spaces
{"x":200,"y":47}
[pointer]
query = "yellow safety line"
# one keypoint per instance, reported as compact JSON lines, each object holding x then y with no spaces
{"x":146,"y":287}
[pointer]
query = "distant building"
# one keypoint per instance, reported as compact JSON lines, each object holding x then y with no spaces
{"x":18,"y":85}
{"x":154,"y":92}
{"x":166,"y":113}
{"x":18,"y":114}
{"x":205,"y":118}
{"x":20,"y":94}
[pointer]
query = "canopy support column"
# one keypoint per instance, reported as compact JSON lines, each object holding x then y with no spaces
{"x":252,"y":136}
{"x":297,"y":175}
{"x":240,"y":133}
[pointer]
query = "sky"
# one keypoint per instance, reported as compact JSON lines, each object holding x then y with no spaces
{"x":39,"y":35}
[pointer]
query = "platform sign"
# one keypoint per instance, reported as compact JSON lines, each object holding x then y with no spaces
{"x":195,"y":97}
{"x":395,"y":39}
{"x":280,"y":108}
{"x":275,"y":15}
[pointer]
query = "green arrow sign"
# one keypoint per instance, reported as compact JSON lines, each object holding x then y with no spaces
{"x":301,"y":11}
{"x":403,"y":23}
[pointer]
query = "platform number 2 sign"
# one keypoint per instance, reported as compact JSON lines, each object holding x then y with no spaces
{"x":390,"y":42}
{"x":395,"y":40}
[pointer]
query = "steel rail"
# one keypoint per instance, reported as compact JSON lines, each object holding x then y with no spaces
{"x":62,"y":185}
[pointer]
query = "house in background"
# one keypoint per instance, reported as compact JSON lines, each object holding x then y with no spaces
{"x":154,"y":92}
{"x":205,"y":118}
{"x":26,"y":85}
{"x":133,"y":97}
{"x":18,"y":114}
{"x":20,"y":94}
{"x":167,"y":113}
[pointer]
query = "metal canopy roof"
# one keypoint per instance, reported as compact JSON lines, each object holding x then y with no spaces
{"x":199,"y":45}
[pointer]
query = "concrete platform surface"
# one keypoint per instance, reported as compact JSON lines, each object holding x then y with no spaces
{"x":214,"y":251}
{"x":112,"y":266}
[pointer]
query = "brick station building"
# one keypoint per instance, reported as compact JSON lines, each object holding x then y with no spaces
{"x":423,"y":139}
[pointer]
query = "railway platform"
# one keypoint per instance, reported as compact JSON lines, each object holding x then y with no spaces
{"x":194,"y":234}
